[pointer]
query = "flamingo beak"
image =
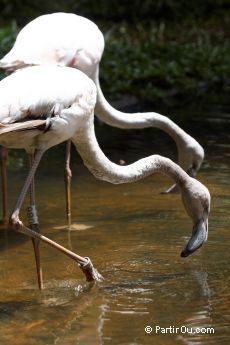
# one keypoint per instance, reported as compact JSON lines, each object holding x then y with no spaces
{"x":198,"y":238}
{"x":171,"y":190}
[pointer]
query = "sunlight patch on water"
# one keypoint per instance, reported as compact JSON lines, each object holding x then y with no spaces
{"x":75,"y":227}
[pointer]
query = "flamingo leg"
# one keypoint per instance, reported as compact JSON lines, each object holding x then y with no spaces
{"x":68,"y":177}
{"x":3,"y":161}
{"x":34,"y":225}
{"x":84,"y":262}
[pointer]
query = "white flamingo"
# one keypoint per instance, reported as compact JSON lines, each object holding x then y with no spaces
{"x":43,"y":106}
{"x":67,"y":39}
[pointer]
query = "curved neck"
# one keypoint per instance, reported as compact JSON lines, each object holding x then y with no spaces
{"x":102,"y":168}
{"x":116,"y":118}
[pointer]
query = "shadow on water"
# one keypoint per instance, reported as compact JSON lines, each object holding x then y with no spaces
{"x":134,"y":236}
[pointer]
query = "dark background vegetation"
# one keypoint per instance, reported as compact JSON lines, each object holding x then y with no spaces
{"x":161,"y":51}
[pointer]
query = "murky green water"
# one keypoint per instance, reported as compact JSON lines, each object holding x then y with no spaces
{"x":134,"y":237}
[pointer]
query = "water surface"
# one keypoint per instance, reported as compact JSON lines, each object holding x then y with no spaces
{"x":134,"y":237}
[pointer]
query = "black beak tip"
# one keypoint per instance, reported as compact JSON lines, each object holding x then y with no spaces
{"x":185,"y":253}
{"x":198,"y":238}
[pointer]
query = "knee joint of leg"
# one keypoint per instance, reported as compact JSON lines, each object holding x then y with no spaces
{"x":68,"y":172}
{"x":15,"y":222}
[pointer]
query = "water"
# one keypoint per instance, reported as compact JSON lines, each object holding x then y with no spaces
{"x":134,"y":237}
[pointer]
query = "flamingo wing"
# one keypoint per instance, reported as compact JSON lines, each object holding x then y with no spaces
{"x":22,"y":126}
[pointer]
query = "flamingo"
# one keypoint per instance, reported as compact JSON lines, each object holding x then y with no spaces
{"x":42,"y":106}
{"x":66,"y":39}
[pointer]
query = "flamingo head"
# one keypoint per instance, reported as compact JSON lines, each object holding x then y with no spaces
{"x":196,"y":200}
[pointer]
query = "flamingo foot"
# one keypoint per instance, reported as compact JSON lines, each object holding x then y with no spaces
{"x":90,"y":272}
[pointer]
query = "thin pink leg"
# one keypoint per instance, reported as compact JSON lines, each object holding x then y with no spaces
{"x":3,"y":162}
{"x":84,"y":262}
{"x":68,"y":177}
{"x":34,"y":225}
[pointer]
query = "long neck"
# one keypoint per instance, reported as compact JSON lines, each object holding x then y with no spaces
{"x":116,"y":118}
{"x":102,"y":168}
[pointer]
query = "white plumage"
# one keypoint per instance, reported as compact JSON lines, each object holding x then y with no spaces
{"x":28,"y":95}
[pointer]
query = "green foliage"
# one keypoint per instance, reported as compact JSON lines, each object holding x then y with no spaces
{"x":7,"y":38}
{"x":162,"y":63}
